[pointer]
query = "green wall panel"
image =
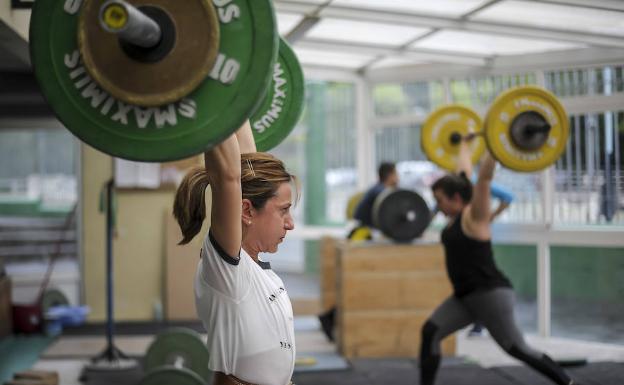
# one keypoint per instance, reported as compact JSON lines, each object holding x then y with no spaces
{"x":519,"y":263}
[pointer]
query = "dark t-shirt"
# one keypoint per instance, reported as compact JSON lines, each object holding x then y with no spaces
{"x":364,"y":209}
{"x":469,"y":262}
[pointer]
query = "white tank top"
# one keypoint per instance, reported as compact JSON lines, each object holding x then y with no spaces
{"x":248,"y":316}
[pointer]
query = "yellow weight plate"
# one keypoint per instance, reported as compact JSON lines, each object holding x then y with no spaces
{"x":508,"y":106}
{"x":435,"y":135}
{"x":352,"y":203}
{"x":360,"y":234}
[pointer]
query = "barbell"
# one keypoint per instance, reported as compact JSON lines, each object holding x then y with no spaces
{"x":401,"y":215}
{"x":177,"y":356}
{"x":162,"y":80}
{"x":525,"y":129}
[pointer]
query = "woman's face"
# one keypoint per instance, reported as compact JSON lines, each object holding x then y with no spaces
{"x":271,"y":223}
{"x":448,"y":206}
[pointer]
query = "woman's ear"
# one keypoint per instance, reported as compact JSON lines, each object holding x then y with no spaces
{"x":248,"y":210}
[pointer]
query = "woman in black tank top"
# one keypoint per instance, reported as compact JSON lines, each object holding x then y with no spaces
{"x":481,"y":292}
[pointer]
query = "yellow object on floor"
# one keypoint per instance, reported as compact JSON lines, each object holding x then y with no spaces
{"x":305,"y":361}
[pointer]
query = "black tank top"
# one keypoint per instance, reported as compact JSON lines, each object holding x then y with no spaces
{"x":470,"y":262}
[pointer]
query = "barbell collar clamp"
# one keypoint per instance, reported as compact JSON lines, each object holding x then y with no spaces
{"x":130,"y":24}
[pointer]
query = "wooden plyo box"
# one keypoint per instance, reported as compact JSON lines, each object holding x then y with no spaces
{"x":384,"y":294}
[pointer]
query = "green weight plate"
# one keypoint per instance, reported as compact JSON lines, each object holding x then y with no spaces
{"x":222,"y":102}
{"x":281,"y":108}
{"x":181,"y":346}
{"x":53,"y":297}
{"x":170,"y":376}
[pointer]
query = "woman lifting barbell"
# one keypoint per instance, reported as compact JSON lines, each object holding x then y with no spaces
{"x":480,"y":291}
{"x":242,"y":303}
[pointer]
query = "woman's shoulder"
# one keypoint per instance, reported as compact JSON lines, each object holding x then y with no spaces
{"x":477,"y":230}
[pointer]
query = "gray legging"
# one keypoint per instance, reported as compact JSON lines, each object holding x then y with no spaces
{"x":493,"y":309}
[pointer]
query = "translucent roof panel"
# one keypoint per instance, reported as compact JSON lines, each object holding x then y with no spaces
{"x":488,"y":44}
{"x":565,"y":17}
{"x":287,"y":21}
{"x":395,"y":61}
{"x":303,"y":6}
{"x":364,"y":32}
{"x":448,"y":8}
{"x":326,"y":58}
{"x":310,"y":1}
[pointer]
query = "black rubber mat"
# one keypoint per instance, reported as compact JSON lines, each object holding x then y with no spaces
{"x":387,"y":371}
{"x":471,"y":375}
{"x":599,"y":373}
{"x":342,"y":377}
{"x":403,"y":372}
{"x":457,"y":372}
{"x":123,"y":377}
{"x":522,"y":375}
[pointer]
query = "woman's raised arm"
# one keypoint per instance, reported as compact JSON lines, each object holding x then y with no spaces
{"x":223,"y":166}
{"x":480,"y":204}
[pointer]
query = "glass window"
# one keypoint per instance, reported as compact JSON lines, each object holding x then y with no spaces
{"x":401,"y":145}
{"x":408,"y":98}
{"x":321,"y":151}
{"x":396,"y":144}
{"x":587,"y":81}
{"x":37,"y":168}
{"x":526,"y":206}
{"x":480,"y":92}
{"x":519,"y":263}
{"x":587,"y":290}
{"x":588,"y":177}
